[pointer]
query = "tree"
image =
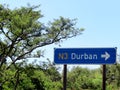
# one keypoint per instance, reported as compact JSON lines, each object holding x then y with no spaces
{"x":21,"y":32}
{"x":80,"y":77}
{"x":84,"y":78}
{"x":31,"y":77}
{"x":113,"y":76}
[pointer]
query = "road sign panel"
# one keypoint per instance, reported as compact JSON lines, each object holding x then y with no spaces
{"x":85,"y":55}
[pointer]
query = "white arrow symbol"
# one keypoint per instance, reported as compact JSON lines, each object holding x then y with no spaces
{"x":106,"y":55}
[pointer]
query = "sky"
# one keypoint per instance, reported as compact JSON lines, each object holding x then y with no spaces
{"x":100,"y":18}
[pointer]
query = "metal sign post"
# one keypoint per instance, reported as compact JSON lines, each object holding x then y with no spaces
{"x":64,"y":77}
{"x":104,"y":78}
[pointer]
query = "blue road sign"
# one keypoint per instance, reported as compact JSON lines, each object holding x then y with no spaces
{"x":85,"y":55}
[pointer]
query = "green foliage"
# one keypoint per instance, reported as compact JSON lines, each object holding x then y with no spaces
{"x":47,"y":77}
{"x":31,"y":77}
{"x":113,"y":76}
{"x":21,"y":33}
{"x":84,"y":79}
{"x":77,"y":75}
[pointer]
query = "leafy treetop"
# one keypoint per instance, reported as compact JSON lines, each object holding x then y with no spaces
{"x":21,"y":32}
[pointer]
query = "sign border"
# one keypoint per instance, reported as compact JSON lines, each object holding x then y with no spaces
{"x":88,"y":63}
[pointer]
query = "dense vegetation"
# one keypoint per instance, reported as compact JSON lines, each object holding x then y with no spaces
{"x":46,"y":76}
{"x":31,"y":77}
{"x":92,"y":79}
